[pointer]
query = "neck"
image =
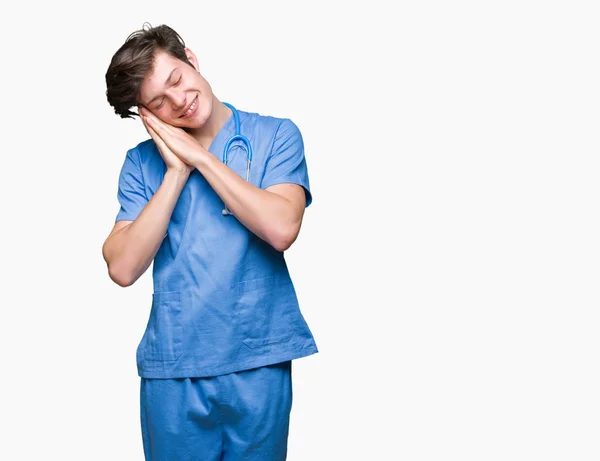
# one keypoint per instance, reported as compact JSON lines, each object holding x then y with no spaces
{"x":206,"y":133}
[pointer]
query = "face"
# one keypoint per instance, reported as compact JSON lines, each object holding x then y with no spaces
{"x":176,"y":92}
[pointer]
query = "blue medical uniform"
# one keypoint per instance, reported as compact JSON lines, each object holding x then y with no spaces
{"x":223,"y":300}
{"x":233,"y":417}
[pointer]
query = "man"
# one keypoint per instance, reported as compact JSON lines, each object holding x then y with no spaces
{"x":215,"y":358}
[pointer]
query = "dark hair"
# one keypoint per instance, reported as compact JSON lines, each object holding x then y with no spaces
{"x":132,"y":62}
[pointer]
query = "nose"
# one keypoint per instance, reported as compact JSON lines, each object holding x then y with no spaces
{"x":179,"y":100}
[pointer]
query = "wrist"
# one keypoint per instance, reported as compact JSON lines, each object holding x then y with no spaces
{"x":201,"y":158}
{"x":181,"y":174}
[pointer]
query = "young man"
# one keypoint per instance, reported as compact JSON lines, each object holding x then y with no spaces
{"x":215,"y":358}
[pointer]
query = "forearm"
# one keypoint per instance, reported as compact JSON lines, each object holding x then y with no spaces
{"x":268,"y":215}
{"x":129,"y":251}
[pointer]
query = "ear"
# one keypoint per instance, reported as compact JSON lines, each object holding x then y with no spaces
{"x":192,"y":58}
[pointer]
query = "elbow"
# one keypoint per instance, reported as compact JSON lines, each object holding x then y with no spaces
{"x":119,"y":270}
{"x":283,"y":238}
{"x":120,"y":277}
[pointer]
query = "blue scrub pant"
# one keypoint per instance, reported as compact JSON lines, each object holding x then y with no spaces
{"x":241,"y":416}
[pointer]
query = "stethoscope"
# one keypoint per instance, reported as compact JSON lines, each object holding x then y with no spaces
{"x":245,"y":143}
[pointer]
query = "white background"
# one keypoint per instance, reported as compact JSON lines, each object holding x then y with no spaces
{"x":448,"y":266}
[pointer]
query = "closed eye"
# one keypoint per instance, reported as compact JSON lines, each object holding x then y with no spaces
{"x":162,"y":100}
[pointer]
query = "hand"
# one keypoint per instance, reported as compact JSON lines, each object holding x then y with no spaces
{"x":172,"y":161}
{"x":180,"y":143}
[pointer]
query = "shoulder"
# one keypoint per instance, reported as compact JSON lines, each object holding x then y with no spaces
{"x":144,"y":151}
{"x":145,"y":147}
{"x":271,"y":123}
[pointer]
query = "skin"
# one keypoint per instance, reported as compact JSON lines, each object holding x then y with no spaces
{"x":273,"y":214}
{"x":167,"y":102}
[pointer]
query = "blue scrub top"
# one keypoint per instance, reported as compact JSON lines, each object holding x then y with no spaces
{"x":223,"y":298}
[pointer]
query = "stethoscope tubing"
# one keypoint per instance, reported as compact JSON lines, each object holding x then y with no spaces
{"x":238,"y":136}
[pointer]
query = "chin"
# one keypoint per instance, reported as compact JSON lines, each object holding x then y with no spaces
{"x":198,"y":121}
{"x":188,"y":122}
{"x":193,"y":124}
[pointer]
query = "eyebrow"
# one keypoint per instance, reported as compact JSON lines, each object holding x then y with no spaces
{"x":166,"y":84}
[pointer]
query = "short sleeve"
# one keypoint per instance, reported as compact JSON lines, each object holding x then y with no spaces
{"x":287,"y":164}
{"x":131,"y":193}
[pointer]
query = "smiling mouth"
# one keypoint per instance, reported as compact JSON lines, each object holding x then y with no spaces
{"x":190,"y":109}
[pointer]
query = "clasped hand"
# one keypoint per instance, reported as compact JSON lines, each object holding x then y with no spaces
{"x":180,"y":150}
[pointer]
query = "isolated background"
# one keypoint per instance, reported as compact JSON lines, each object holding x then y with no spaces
{"x":448,"y":266}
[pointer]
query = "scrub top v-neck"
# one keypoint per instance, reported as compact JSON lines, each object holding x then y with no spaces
{"x":223,"y":298}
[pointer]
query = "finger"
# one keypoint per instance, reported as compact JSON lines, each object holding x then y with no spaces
{"x":160,"y":136}
{"x":157,"y":124}
{"x":143,"y":111}
{"x":170,"y":135}
{"x":145,"y":122}
{"x":157,"y":139}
